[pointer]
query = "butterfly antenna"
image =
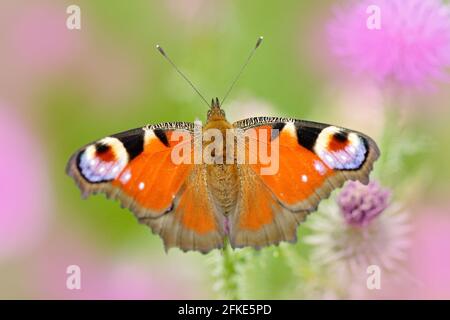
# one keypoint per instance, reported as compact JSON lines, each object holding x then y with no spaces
{"x":161,"y":50}
{"x":258,"y":43}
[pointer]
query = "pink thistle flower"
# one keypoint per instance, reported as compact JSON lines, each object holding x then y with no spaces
{"x":360,"y":204}
{"x":411,"y":47}
{"x":345,"y":244}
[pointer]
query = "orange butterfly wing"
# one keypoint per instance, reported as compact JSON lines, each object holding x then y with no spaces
{"x":259,"y":219}
{"x":314,"y":159}
{"x":195,"y":223}
{"x":137,"y":168}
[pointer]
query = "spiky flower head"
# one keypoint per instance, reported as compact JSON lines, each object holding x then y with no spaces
{"x":406,"y":42}
{"x":361,"y":204}
{"x":357,"y":230}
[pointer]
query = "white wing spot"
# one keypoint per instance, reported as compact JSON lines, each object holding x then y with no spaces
{"x":141,"y":186}
{"x":125,"y":177}
{"x":320,"y":168}
{"x":304,"y":178}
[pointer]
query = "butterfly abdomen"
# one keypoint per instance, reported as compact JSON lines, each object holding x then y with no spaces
{"x":222,"y":177}
{"x":223,"y":183}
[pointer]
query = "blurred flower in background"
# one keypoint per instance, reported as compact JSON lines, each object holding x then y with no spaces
{"x":37,"y":51}
{"x":427,"y":268}
{"x":25,"y":191}
{"x":361,"y":204}
{"x":430,"y":258}
{"x":102,"y":276}
{"x":411,"y":48}
{"x":34,"y":45}
{"x":132,"y":281}
{"x":38,"y":38}
{"x":358,"y":230}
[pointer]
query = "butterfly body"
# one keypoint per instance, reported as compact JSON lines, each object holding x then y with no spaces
{"x":195,"y":203}
{"x":223,"y":179}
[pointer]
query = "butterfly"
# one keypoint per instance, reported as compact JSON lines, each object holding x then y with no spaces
{"x":201,"y":205}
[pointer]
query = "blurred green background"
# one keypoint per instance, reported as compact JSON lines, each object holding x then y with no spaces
{"x":60,"y":89}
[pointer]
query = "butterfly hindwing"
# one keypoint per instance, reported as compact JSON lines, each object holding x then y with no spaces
{"x":259,"y":219}
{"x":195,"y":222}
{"x":137,"y":168}
{"x":314,"y":159}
